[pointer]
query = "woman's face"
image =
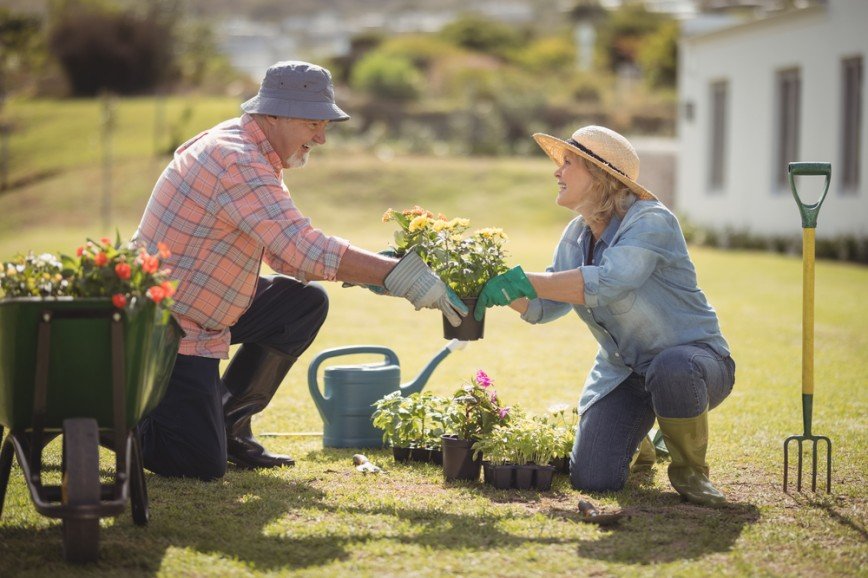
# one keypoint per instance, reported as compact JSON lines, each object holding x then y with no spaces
{"x":574,"y":184}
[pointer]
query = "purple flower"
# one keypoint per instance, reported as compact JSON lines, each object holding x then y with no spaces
{"x":493,"y":397}
{"x":503,"y":412}
{"x":482,"y":379}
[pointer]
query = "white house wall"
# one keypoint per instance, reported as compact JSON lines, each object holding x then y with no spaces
{"x":815,"y":40}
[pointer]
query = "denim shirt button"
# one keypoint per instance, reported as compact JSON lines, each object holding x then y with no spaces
{"x":617,"y":354}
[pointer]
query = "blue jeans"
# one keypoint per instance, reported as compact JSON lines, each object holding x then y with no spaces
{"x":185,"y":435}
{"x":680,"y":382}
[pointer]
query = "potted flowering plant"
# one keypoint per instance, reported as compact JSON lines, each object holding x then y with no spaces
{"x":412,"y":425}
{"x":474,"y":411}
{"x":565,"y":421}
{"x":464,"y":260}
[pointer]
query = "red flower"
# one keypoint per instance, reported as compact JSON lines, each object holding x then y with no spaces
{"x":106,"y":241}
{"x":163,"y":250}
{"x":156,"y":293}
{"x":150,"y":263}
{"x":119,"y":301}
{"x":101,"y":259}
{"x":79,"y":252}
{"x":123,"y":271}
{"x":168,"y":288}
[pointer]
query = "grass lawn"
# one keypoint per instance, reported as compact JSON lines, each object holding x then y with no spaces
{"x":324,"y":518}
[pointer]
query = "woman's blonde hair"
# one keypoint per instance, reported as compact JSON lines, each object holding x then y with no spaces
{"x":614,"y":197}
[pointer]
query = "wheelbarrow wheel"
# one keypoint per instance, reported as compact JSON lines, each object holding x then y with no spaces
{"x":138,"y":487}
{"x":81,"y":486}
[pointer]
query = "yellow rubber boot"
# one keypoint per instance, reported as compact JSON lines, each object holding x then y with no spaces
{"x":644,"y":457}
{"x":687,"y":441}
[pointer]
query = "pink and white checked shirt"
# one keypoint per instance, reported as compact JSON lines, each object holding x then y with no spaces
{"x":221,"y":207}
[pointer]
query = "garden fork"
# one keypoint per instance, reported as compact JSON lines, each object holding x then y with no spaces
{"x":809,"y":224}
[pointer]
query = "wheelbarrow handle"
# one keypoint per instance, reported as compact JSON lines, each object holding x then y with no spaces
{"x":809,"y":212}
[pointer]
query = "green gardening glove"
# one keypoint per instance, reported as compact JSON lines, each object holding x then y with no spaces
{"x":503,"y":290}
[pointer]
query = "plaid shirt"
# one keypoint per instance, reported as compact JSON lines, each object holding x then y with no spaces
{"x":221,"y":207}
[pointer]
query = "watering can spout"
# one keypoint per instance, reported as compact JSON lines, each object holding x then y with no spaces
{"x":420,"y":380}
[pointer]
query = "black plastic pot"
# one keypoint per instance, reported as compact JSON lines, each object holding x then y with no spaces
{"x":458,"y":462}
{"x":470,"y":329}
{"x":401,"y":454}
{"x":420,"y":455}
{"x":544,"y":475}
{"x":503,"y":476}
{"x":487,"y":468}
{"x":562,"y":465}
{"x":437,"y":457}
{"x":524,"y":476}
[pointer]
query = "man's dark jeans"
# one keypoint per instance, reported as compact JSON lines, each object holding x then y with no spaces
{"x":185,"y":435}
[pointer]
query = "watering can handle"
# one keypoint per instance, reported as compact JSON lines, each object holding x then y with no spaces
{"x":322,"y":403}
{"x":809,"y":212}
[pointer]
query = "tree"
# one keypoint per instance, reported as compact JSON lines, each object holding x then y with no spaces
{"x":658,"y":56}
{"x":20,"y":45}
{"x":103,"y":48}
{"x":481,"y":34}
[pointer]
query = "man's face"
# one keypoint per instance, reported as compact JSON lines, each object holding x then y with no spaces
{"x":292,"y":138}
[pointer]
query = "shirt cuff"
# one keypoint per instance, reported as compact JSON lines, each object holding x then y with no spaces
{"x":591,"y":277}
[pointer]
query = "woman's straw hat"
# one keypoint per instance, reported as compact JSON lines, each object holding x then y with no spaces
{"x":605,"y":148}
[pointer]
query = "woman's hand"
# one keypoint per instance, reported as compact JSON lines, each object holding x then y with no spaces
{"x":503,"y":290}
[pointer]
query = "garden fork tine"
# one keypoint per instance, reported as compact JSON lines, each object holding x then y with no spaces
{"x":809,"y":225}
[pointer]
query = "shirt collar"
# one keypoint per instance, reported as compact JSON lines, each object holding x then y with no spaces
{"x":611,"y":229}
{"x":251,"y":128}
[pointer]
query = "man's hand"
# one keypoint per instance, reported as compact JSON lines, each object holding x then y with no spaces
{"x":412,"y":279}
{"x":503,"y":290}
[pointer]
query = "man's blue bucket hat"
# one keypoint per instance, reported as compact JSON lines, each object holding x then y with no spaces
{"x":296,"y":89}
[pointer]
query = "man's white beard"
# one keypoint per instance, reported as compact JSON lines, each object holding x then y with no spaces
{"x":299,"y":159}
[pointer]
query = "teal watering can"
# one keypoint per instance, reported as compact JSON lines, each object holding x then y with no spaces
{"x":346,"y":406}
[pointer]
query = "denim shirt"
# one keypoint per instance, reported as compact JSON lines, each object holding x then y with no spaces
{"x":641,"y":294}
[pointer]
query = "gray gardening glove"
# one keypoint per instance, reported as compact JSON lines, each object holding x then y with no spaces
{"x":412,"y":279}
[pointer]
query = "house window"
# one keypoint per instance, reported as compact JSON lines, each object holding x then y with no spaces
{"x":851,"y":123}
{"x":717,"y":145}
{"x":789,"y":88}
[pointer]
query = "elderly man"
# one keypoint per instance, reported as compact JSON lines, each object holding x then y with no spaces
{"x":221,"y":208}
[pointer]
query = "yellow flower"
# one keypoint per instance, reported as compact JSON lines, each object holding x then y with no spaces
{"x":418,"y":223}
{"x":439,"y":225}
{"x":492,"y":233}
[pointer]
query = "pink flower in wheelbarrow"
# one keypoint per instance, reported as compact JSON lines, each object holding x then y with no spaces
{"x":503,"y":412}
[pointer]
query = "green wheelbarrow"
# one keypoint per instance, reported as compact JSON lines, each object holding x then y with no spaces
{"x":85,"y":370}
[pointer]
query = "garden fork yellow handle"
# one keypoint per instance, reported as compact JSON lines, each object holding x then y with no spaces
{"x":808,"y":311}
{"x":809,"y":213}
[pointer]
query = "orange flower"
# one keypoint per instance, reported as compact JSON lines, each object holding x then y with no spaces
{"x":79,"y":252}
{"x":163,"y":250}
{"x":150,"y":263}
{"x":100,"y":259}
{"x":168,"y":288}
{"x":156,"y":293}
{"x":119,"y":301}
{"x":106,"y":241}
{"x":123,"y":271}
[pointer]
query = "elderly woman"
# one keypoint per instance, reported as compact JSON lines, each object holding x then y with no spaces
{"x":622,"y":265}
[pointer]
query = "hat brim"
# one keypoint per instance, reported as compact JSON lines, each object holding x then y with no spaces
{"x":307,"y":110}
{"x":555,"y":148}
